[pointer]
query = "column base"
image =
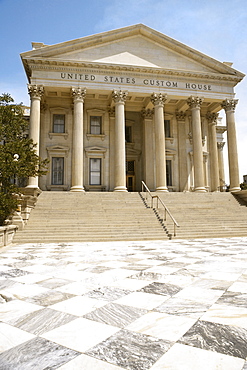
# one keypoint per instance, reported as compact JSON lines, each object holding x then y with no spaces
{"x":162,"y":188}
{"x":120,"y":189}
{"x":77,"y":189}
{"x":200,"y":189}
{"x":236,"y":188}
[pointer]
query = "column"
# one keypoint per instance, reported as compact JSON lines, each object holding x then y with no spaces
{"x":194,"y":103}
{"x":148,"y":152}
{"x":36,"y":92}
{"x":182,"y":152}
{"x":220,"y":146}
{"x":158,"y":101}
{"x":119,"y":98}
{"x":214,"y":163}
{"x":229,"y":106}
{"x":78,"y":95}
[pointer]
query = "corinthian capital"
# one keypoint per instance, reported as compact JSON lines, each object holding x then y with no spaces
{"x":147,"y":113}
{"x":78,"y":93}
{"x":212,"y":117}
{"x":220,"y":145}
{"x":35,"y":91}
{"x":180,"y":115}
{"x":158,"y":99}
{"x":229,"y":104}
{"x":119,"y":96}
{"x":194,"y":102}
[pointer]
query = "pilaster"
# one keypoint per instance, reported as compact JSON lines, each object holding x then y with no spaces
{"x":182,"y":152}
{"x":214,"y":162}
{"x":148,"y":152}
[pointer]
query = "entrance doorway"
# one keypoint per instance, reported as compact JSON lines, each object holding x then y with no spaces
{"x":130,"y":175}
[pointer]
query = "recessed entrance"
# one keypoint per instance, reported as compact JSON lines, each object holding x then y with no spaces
{"x":130,"y":175}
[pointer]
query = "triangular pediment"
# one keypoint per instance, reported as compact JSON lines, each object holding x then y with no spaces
{"x":137,"y":46}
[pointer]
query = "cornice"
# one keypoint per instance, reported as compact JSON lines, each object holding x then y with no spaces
{"x":61,"y":65}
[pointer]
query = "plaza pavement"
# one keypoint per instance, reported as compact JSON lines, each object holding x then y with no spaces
{"x":177,"y":305}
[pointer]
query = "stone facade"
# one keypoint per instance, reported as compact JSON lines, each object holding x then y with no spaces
{"x":132,"y":104}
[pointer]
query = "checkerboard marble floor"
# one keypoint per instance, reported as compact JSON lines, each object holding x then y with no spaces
{"x":178,"y":305}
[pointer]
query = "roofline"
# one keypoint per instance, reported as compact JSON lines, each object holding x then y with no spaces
{"x":129,"y":31}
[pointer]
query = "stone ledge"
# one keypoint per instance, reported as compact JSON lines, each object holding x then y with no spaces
{"x":7,"y":234}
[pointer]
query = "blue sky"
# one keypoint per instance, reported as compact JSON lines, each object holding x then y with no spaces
{"x":217,"y":28}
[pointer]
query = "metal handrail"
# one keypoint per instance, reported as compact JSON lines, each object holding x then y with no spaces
{"x":166,"y":210}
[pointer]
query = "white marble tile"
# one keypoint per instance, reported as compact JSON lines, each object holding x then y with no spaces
{"x":84,"y":362}
{"x":238,"y":286}
{"x":161,"y":325}
{"x":11,"y":337}
{"x":20,"y":290}
{"x":80,"y":334}
{"x":16,"y":308}
{"x":78,"y":306}
{"x":218,"y":275}
{"x":181,"y":357}
{"x":76,"y":288}
{"x":200,"y":294}
{"x":142,"y":300}
{"x":29,"y":279}
{"x":227,"y":315}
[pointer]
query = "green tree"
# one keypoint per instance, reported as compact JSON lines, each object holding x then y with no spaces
{"x":18,"y":158}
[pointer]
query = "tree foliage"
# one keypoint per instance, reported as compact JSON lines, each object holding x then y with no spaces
{"x":18,"y":158}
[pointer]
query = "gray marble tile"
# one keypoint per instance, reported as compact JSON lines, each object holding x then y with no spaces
{"x":107,"y":293}
{"x":161,"y":288}
{"x":233,"y":299}
{"x":148,"y":275}
{"x":38,"y":354}
{"x":183,"y":307}
{"x":41,"y":321}
{"x":226,"y":339}
{"x":132,"y":351}
{"x":116,"y":315}
{"x":48,"y":298}
{"x":13,"y":273}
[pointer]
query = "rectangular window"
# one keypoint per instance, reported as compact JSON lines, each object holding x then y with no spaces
{"x":95,"y":171}
{"x":95,"y":125}
{"x":128,"y":134}
{"x":169,"y":172}
{"x":59,"y":123}
{"x":57,"y":170}
{"x":167,"y":128}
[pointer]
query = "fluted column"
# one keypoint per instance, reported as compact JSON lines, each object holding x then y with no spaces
{"x":182,"y":152}
{"x":78,"y":95}
{"x":148,"y":152}
{"x":214,"y":163}
{"x":220,"y":146}
{"x":36,"y":92}
{"x":194,"y":103}
{"x":229,"y":106}
{"x":158,"y":101}
{"x":119,"y":98}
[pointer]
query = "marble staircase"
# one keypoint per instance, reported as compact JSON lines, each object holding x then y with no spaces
{"x":90,"y":216}
{"x":105,"y":216}
{"x":206,"y":215}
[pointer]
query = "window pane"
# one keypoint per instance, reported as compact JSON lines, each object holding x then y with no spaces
{"x":169,"y":172}
{"x":57,"y":170}
{"x":58,"y":123}
{"x":128,"y":134}
{"x":95,"y":125}
{"x":167,"y":128}
{"x":95,"y":171}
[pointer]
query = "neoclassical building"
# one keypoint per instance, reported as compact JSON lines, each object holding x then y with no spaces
{"x":132,"y":104}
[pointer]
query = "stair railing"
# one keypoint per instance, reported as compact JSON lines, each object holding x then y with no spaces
{"x":159,"y":201}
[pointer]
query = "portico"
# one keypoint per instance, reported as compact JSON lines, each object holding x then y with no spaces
{"x":141,"y":106}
